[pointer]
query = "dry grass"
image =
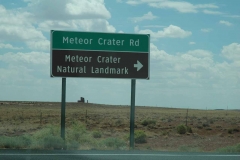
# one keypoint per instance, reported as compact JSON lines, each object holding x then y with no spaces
{"x":210,"y":128}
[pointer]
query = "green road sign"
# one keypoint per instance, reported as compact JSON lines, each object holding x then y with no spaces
{"x":100,"y":41}
{"x":102,"y":55}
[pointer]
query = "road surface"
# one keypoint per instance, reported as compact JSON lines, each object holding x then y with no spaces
{"x":110,"y":155}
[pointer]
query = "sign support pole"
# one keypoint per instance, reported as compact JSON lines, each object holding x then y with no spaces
{"x":63,"y":108}
{"x":132,"y":112}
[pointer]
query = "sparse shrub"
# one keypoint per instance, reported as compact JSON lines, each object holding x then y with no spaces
{"x":208,"y":129}
{"x":96,"y":134}
{"x":205,"y":125}
{"x":164,"y":133}
{"x":53,"y":142}
{"x":114,"y":143}
{"x":235,"y":130}
{"x":230,"y":149}
{"x":25,"y":141}
{"x":151,"y":126}
{"x":73,"y":145}
{"x":230,"y":136}
{"x":230,"y":131}
{"x":181,"y":129}
{"x":41,"y":133}
{"x":189,"y":129}
{"x":152,"y":122}
{"x":144,"y":122}
{"x":162,"y":119}
{"x":18,"y":142}
{"x":149,"y":147}
{"x":76,"y":132}
{"x":86,"y":139}
{"x":169,"y":120}
{"x":14,"y":117}
{"x":140,"y":137}
{"x":185,"y":148}
{"x":211,"y":121}
{"x":148,"y":122}
{"x":199,"y":127}
{"x":78,"y":127}
{"x":6,"y":142}
{"x":118,"y":122}
{"x":37,"y":144}
{"x":76,"y":135}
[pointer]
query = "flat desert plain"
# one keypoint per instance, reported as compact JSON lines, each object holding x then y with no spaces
{"x":211,"y":129}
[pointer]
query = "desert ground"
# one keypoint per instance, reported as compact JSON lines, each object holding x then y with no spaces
{"x":210,"y":129}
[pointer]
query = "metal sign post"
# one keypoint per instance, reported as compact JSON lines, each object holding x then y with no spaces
{"x":132,"y":112}
{"x":63,"y":108}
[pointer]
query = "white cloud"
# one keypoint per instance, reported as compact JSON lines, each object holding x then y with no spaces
{"x":43,"y":45}
{"x":159,"y":54}
{"x":225,"y":23}
{"x":23,"y":59}
{"x":68,"y":9}
{"x":26,"y":76}
{"x":16,"y":26}
{"x":193,"y":60}
{"x":71,"y":15}
{"x":99,"y":25}
{"x":180,"y":6}
{"x":2,"y":9}
{"x":183,"y":7}
{"x":88,"y":8}
{"x":196,"y":68}
{"x":26,"y":25}
{"x":170,"y":32}
{"x":134,"y":2}
{"x":147,"y":16}
{"x":206,"y":6}
{"x":212,"y":12}
{"x":9,"y":46}
{"x":57,"y":25}
{"x":232,"y":16}
{"x":183,"y":69}
{"x":232,"y":52}
{"x":154,"y":26}
{"x":19,"y":33}
{"x":199,"y":53}
{"x":19,"y":29}
{"x":206,"y":30}
{"x":191,"y":43}
{"x":85,"y":25}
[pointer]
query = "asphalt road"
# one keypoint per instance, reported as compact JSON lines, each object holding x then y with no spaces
{"x":110,"y":155}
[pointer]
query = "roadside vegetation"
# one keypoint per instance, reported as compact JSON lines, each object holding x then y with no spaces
{"x":230,"y":149}
{"x":182,"y":129}
{"x":77,"y":137}
{"x":105,"y":127}
{"x":185,"y":148}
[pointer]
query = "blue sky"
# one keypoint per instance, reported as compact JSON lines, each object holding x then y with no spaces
{"x":195,"y":50}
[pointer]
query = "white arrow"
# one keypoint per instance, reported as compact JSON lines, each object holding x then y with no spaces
{"x":138,"y":65}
